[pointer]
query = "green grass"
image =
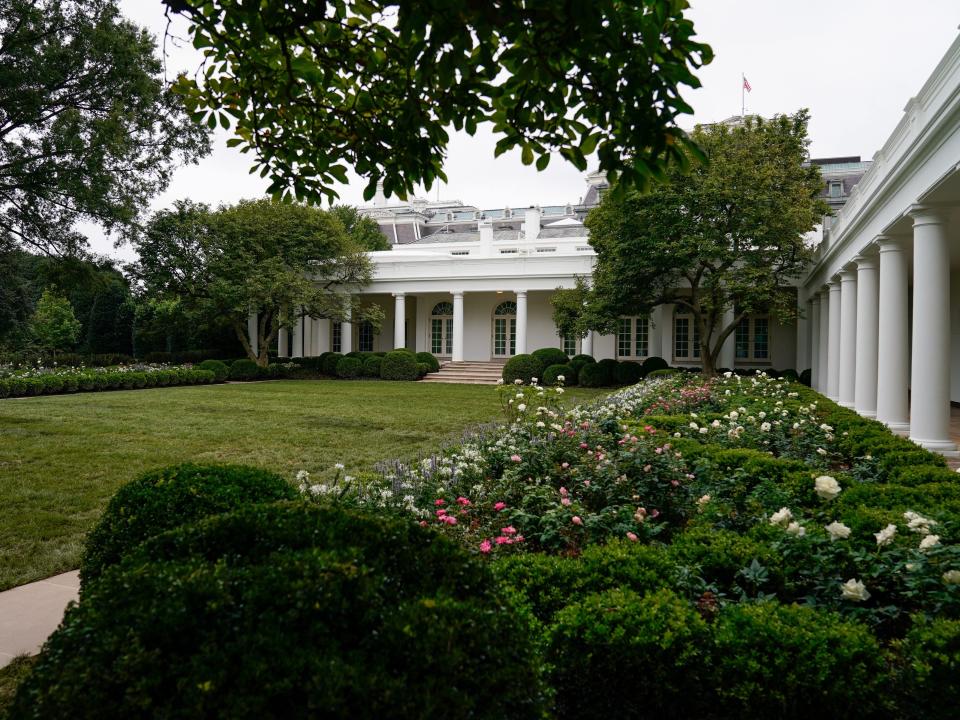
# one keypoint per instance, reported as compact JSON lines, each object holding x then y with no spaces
{"x":63,"y":456}
{"x":10,"y":677}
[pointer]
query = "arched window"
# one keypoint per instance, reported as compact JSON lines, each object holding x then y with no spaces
{"x":441,"y":329}
{"x":505,"y":329}
{"x":506,"y":308}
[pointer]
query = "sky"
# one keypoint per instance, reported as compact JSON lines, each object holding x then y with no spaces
{"x":854,"y":64}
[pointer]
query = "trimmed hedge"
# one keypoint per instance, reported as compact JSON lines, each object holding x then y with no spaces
{"x":371,"y":366}
{"x":430,"y":360}
{"x":219,"y":369}
{"x":349,"y":368}
{"x":652,"y":364}
{"x":522,"y":367}
{"x":290,"y":611}
{"x":628,"y":373}
{"x":594,"y":375}
{"x":399,"y":365}
{"x":552,"y":374}
{"x":90,"y":381}
{"x":163,"y":499}
{"x":578,"y":361}
{"x":244,"y":370}
{"x":328,"y":363}
{"x":550,"y":356}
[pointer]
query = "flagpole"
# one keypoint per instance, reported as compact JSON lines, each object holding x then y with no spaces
{"x":743,"y":102}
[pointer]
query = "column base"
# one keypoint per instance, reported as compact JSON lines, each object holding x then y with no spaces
{"x":872,"y":414}
{"x":835,"y":398}
{"x":845,"y":403}
{"x":947,"y":448}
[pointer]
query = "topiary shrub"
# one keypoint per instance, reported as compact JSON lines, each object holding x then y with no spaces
{"x":522,"y":367}
{"x":371,"y":366}
{"x":329,"y":364}
{"x":349,"y":368}
{"x":550,"y":356}
{"x":430,"y":360}
{"x":162,"y":499}
{"x":611,"y":365}
{"x":628,"y":373}
{"x":243,"y":370}
{"x":617,"y":654}
{"x":220,"y":370}
{"x":931,"y":664}
{"x":290,"y":611}
{"x":594,"y":375}
{"x":578,"y":361}
{"x":787,"y":661}
{"x":552,"y":375}
{"x":652,"y":364}
{"x":399,"y":365}
{"x":806,"y":377}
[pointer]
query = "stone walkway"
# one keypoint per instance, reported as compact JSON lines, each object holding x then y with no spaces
{"x":29,"y":613}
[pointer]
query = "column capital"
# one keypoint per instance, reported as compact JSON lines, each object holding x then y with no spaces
{"x":928,"y":214}
{"x":866,"y":262}
{"x":814,"y":299}
{"x":848,"y":273}
{"x":834,"y":284}
{"x":518,"y":293}
{"x":456,"y":293}
{"x":891,"y":243}
{"x":399,"y":294}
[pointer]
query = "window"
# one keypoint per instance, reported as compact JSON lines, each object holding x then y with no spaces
{"x":337,"y":342}
{"x":835,"y":188}
{"x":459,"y":252}
{"x":570,"y":345}
{"x":441,"y":329}
{"x":632,"y":337}
{"x":365,"y":337}
{"x":505,"y":329}
{"x":686,"y":338}
{"x":752,"y":342}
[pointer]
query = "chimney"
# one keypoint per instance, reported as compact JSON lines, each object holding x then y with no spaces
{"x":379,"y":199}
{"x":531,"y":223}
{"x":486,"y":237}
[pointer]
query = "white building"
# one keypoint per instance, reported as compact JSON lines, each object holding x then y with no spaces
{"x":876,"y":326}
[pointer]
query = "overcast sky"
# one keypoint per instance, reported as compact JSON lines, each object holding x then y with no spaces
{"x":854,"y":64}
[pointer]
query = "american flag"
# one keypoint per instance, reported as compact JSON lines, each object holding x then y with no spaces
{"x":746,"y":84}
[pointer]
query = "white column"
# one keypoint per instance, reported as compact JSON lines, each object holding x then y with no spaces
{"x":868,"y":324}
{"x":833,"y":351}
{"x":457,"y":326}
{"x":893,"y":336}
{"x":802,"y":357}
{"x":308,"y":336}
{"x":727,"y":357}
{"x":252,"y":319}
{"x":823,"y":343}
{"x":399,"y":320}
{"x":282,"y":350}
{"x":346,"y":333}
{"x":930,"y":378}
{"x":654,"y":334}
{"x":321,"y":336}
{"x":521,"y":322}
{"x":848,"y":336}
{"x":298,"y":337}
{"x":814,"y":342}
{"x":586,"y":345}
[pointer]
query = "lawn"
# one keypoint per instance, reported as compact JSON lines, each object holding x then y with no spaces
{"x":63,"y":456}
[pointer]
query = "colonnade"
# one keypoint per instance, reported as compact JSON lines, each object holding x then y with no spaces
{"x":865,"y":352}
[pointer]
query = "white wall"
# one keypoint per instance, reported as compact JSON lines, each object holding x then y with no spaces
{"x":955,"y":336}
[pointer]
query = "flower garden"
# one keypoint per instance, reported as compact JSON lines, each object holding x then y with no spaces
{"x":687,"y":547}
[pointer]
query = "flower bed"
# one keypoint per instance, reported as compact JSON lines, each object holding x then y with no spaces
{"x":728,"y":494}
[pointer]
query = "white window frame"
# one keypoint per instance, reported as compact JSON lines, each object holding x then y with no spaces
{"x":692,"y":342}
{"x":632,"y":333}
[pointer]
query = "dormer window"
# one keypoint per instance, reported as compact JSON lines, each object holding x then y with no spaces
{"x":835,"y":188}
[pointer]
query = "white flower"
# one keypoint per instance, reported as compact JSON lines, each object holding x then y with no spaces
{"x":561,"y":378}
{"x":533,"y":381}
{"x":715,"y":423}
{"x":559,"y":391}
{"x":761,"y":414}
{"x":676,"y":434}
{"x":765,"y":427}
{"x":918,"y":523}
{"x":338,"y":466}
{"x":885,"y":536}
{"x":952,"y":577}
{"x":826,"y":487}
{"x":499,"y":381}
{"x":854,"y":590}
{"x":728,"y":374}
{"x":929,"y":541}
{"x":694,"y":426}
{"x":734,"y":414}
{"x":783,"y":516}
{"x":303,"y":476}
{"x":541,"y":424}
{"x":821,"y":451}
{"x":797,"y":529}
{"x":702,"y":501}
{"x":704,"y":431}
{"x":521,"y":407}
{"x":317,"y":489}
{"x":837,"y":531}
{"x":518,"y":381}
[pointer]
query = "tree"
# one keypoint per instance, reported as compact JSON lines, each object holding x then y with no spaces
{"x":87,"y":129}
{"x":364,"y":230}
{"x":275,"y":259}
{"x":728,"y":234}
{"x":311,"y":88}
{"x":54,"y":324}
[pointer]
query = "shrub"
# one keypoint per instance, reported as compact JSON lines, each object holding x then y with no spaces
{"x":786,"y":661}
{"x":430,"y":360}
{"x":550,"y":356}
{"x":611,"y":365}
{"x":662,"y":372}
{"x":617,"y":654}
{"x":220,"y":370}
{"x":522,"y":367}
{"x":921,"y":474}
{"x":806,"y":377}
{"x":329,"y":364}
{"x":930,"y":668}
{"x":552,"y":373}
{"x":399,"y":365}
{"x":719,"y":556}
{"x":594,"y":375}
{"x":243,"y":370}
{"x":371,"y":366}
{"x":422,"y":370}
{"x":349,"y":367}
{"x":290,"y":611}
{"x":578,"y":361}
{"x":654,"y":363}
{"x":628,"y":373}
{"x":162,"y":499}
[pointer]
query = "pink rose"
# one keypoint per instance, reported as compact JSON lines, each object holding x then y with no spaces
{"x":515,"y":458}
{"x":563,"y":492}
{"x":632,"y":537}
{"x":485,"y":547}
{"x":463,"y":501}
{"x":423,"y":523}
{"x":499,"y":506}
{"x":576,"y":520}
{"x":439,"y":501}
{"x":565,"y":501}
{"x":565,"y":465}
{"x":508,"y":530}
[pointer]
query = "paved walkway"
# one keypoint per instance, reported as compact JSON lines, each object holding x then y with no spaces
{"x":29,"y":613}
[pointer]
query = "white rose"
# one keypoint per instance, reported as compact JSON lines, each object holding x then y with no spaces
{"x":929,"y":541}
{"x":694,"y":426}
{"x":761,"y":414}
{"x":826,"y":487}
{"x":952,"y":577}
{"x":783,"y":516}
{"x":837,"y":531}
{"x":518,"y":381}
{"x":521,"y":407}
{"x":885,"y":536}
{"x":734,"y":414}
{"x":561,"y":378}
{"x":854,"y":590}
{"x":704,"y":499}
{"x":533,"y":381}
{"x":704,"y":431}
{"x":797,"y":529}
{"x":765,"y":427}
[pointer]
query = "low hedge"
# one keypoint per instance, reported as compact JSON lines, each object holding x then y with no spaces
{"x":399,"y":365}
{"x":163,"y":499}
{"x":244,"y":369}
{"x":328,"y":364}
{"x":552,"y":375}
{"x":594,"y":375}
{"x":578,"y":361}
{"x":349,"y":368}
{"x":430,"y":360}
{"x":219,"y":369}
{"x":550,"y":356}
{"x":290,"y":611}
{"x":652,"y":364}
{"x":372,"y":366}
{"x":94,"y":380}
{"x":522,"y":367}
{"x":628,"y":373}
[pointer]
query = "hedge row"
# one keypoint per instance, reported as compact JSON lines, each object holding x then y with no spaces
{"x":110,"y":380}
{"x":548,"y":364}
